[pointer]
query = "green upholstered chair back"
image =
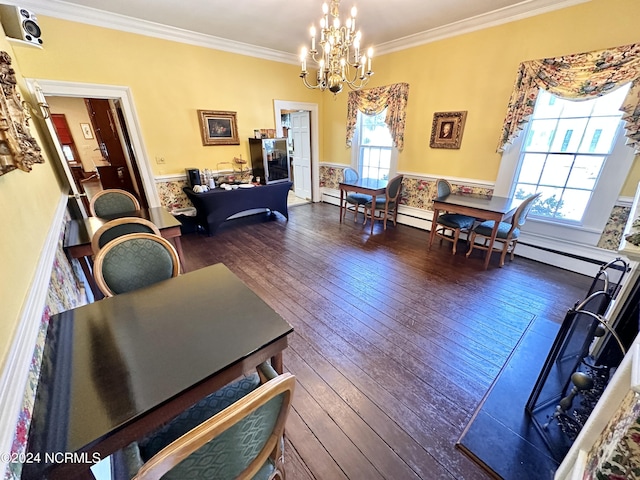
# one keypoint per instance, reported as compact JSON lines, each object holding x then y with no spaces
{"x":112,"y":202}
{"x":350,"y":175}
{"x":118,"y":227}
{"x":243,"y":441}
{"x":443,"y":187}
{"x":134,"y":261}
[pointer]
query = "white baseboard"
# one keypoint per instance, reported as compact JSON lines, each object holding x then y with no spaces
{"x":15,"y":371}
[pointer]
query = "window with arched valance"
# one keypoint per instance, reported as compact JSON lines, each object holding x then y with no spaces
{"x":373,"y":101}
{"x":577,"y":77}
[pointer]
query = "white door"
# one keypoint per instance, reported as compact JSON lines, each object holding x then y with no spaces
{"x":300,"y":134}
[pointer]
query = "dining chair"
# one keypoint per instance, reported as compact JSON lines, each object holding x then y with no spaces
{"x":386,"y":206}
{"x":113,"y":201}
{"x":234,"y":433}
{"x":508,"y":232}
{"x":450,"y":225}
{"x":354,"y":199}
{"x":121,"y":226}
{"x":134,"y":261}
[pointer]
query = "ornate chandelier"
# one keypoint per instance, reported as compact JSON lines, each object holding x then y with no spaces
{"x":338,"y":58}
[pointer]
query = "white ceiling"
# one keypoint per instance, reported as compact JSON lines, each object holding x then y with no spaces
{"x":281,"y":27}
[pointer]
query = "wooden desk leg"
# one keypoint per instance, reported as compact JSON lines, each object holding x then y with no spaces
{"x":276,"y":362}
{"x":341,"y":204}
{"x":178,"y":243}
{"x":494,"y":233}
{"x":434,"y":223}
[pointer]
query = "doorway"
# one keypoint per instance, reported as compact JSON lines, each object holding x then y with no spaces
{"x":312,"y":174}
{"x":122,"y":119}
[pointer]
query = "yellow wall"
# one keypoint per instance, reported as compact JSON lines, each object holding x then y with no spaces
{"x":170,"y":82}
{"x":29,"y":201}
{"x":475,"y":72}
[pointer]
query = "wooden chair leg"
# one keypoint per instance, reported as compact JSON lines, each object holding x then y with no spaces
{"x":456,"y":235}
{"x":472,"y":241}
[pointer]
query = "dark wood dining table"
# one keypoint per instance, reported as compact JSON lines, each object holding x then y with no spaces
{"x":482,"y":207}
{"x":115,"y":370}
{"x":368,"y":186}
{"x":78,"y":234}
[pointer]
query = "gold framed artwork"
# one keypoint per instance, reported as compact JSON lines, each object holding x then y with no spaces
{"x":18,"y":149}
{"x":447,"y":128}
{"x":218,"y":127}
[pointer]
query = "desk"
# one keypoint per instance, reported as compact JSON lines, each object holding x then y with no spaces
{"x":493,"y":208}
{"x":77,"y":237}
{"x":215,"y":206}
{"x":115,"y":370}
{"x":368,"y":186}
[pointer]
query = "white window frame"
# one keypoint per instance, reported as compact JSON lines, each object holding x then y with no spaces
{"x":355,"y":150}
{"x":604,"y":198}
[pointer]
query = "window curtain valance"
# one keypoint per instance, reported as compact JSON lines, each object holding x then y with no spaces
{"x":375,"y":100}
{"x":578,"y":77}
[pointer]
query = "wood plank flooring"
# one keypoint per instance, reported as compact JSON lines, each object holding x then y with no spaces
{"x":394,"y":345}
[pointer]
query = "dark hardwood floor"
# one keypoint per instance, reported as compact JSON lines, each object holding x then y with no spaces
{"x":394,"y":345}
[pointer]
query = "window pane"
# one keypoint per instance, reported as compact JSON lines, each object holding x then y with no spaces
{"x":610,"y":104}
{"x":540,"y":135}
{"x":547,"y":106}
{"x":585,"y":172}
{"x":599,"y":135}
{"x":568,"y":135}
{"x":532,"y":165}
{"x":549,"y":202}
{"x":556,"y":170}
{"x":374,"y":160}
{"x":574,"y":203}
{"x":576,"y":108}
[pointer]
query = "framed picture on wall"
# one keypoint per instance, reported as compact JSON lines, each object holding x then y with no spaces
{"x":447,"y":128}
{"x":218,"y":127}
{"x":86,"y":131}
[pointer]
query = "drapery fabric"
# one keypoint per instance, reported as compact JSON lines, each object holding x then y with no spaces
{"x":375,"y":100}
{"x":578,"y":77}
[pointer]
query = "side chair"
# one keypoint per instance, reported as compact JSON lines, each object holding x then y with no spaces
{"x":354,"y":199}
{"x":113,"y":201}
{"x":386,"y":206}
{"x":234,"y":433}
{"x":121,"y":226}
{"x":134,"y":261}
{"x":449,"y":225}
{"x":508,"y":232}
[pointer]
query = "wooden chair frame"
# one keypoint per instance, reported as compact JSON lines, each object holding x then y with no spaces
{"x":104,"y":251}
{"x":442,"y":231}
{"x":509,"y":242}
{"x":95,"y":240}
{"x":384,"y":213}
{"x":111,"y":191}
{"x":175,"y":452}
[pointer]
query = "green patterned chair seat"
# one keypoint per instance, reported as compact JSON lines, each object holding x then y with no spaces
{"x":113,"y":201}
{"x":358,"y":198}
{"x":486,"y":228}
{"x":455,"y":220}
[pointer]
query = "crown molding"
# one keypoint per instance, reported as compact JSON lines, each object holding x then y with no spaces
{"x":100,"y":18}
{"x":525,"y":9}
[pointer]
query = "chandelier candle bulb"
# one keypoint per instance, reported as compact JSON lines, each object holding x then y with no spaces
{"x":338,"y":55}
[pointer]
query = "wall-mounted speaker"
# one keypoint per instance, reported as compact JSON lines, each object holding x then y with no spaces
{"x":20,"y":23}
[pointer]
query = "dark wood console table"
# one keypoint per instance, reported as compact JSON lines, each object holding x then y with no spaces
{"x":217,"y":205}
